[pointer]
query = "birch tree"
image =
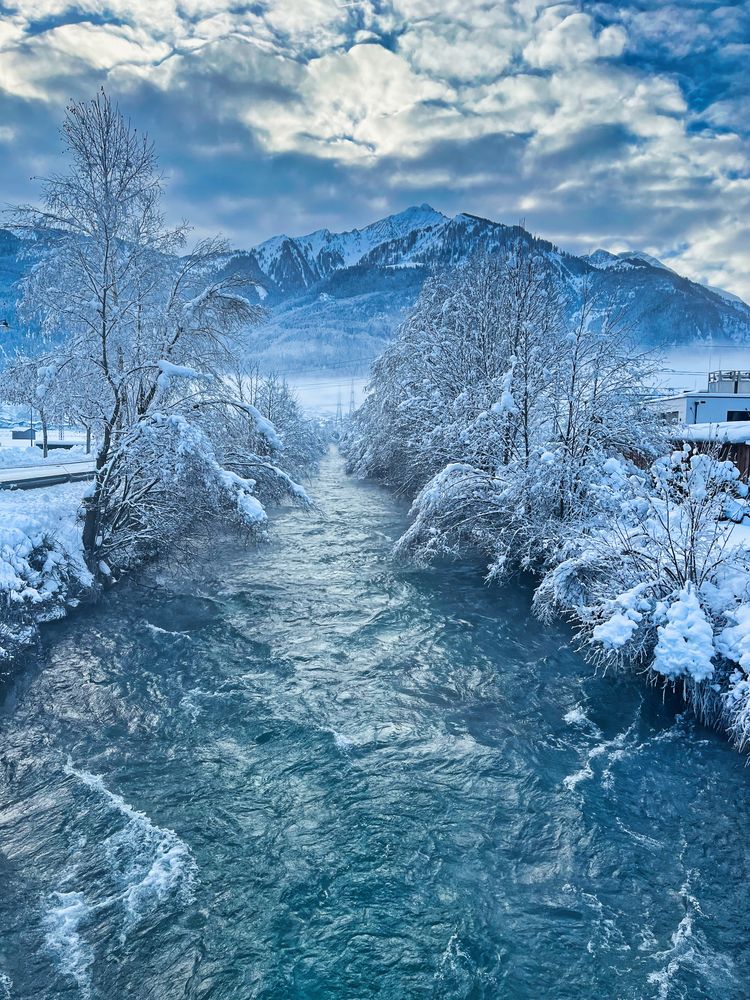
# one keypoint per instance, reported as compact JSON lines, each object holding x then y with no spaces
{"x":149,"y":328}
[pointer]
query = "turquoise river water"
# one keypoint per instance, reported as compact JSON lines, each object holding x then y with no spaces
{"x":304,"y":771}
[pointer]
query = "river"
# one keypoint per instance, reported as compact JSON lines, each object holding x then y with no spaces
{"x":302,"y":771}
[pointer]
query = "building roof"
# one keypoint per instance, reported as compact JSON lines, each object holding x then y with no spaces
{"x":724,"y":431}
{"x":690,"y":393}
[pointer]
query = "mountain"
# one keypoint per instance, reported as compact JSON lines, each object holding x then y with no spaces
{"x":294,"y":264}
{"x":338,"y":296}
{"x":335,"y":298}
{"x":603,"y":260}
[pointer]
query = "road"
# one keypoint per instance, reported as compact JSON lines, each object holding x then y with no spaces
{"x":34,"y":476}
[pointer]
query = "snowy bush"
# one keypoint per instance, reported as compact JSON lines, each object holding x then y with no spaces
{"x":685,"y":641}
{"x":659,"y":581}
{"x":41,"y":563}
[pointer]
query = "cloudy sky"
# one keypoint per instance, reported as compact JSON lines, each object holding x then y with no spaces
{"x":623,"y":125}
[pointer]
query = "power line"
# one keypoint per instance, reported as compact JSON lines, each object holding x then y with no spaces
{"x":316,"y":385}
{"x":350,"y":363}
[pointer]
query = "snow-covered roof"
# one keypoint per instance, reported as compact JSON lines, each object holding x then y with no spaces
{"x":692,"y":393}
{"x":670,"y":395}
{"x":729,"y":431}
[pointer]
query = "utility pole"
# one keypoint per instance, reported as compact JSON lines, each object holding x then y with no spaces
{"x":339,"y":410}
{"x":352,"y":406}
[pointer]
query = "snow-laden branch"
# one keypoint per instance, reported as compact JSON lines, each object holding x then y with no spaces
{"x":168,"y":370}
{"x":262,"y":424}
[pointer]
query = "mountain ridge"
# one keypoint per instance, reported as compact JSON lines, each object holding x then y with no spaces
{"x":332,"y":296}
{"x":600,"y":259}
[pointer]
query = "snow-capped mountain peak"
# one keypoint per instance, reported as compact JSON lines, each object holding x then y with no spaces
{"x":604,"y":260}
{"x":295,"y":263}
{"x":334,"y":294}
{"x":646,"y":258}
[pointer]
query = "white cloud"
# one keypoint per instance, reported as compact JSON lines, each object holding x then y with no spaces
{"x":353,"y":105}
{"x":103,"y":46}
{"x":570,"y":40}
{"x":479,"y":44}
{"x":718,"y":255}
{"x":357,"y":87}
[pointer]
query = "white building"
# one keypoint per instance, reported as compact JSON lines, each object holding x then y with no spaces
{"x":727,"y":399}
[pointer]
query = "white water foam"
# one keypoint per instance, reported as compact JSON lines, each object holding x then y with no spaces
{"x":635,"y":748}
{"x":452,"y":954}
{"x":67,"y":911}
{"x":152,"y":861}
{"x":685,"y":950}
{"x":457,"y":974}
{"x":577,"y":717}
{"x":189,"y":705}
{"x":605,"y":931}
{"x":157,"y":630}
{"x":681,"y":951}
{"x":343,"y":742}
{"x":6,"y":987}
{"x":613,"y":749}
{"x":639,"y":838}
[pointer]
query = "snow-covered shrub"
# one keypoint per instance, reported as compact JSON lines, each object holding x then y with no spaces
{"x":659,"y":581}
{"x":162,"y":477}
{"x":685,"y":641}
{"x":41,"y":569}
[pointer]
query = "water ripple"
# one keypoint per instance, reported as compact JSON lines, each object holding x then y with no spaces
{"x":338,"y":777}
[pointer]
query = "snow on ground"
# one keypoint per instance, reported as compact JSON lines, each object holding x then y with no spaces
{"x":55,"y":506}
{"x":41,"y":559}
{"x":14,"y":457}
{"x":16,"y":454}
{"x":740,"y":535}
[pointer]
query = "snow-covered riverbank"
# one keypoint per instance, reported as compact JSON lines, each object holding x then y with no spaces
{"x":531,"y":445}
{"x":42,"y":568}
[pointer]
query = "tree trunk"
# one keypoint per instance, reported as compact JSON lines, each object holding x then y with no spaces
{"x":90,"y":525}
{"x":44,"y":433}
{"x":92,"y":504}
{"x":88,"y":440}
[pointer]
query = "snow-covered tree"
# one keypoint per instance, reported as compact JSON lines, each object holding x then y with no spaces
{"x":148,"y":330}
{"x":462,"y":379}
{"x":499,"y":414}
{"x":34,"y":382}
{"x":244,"y":450}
